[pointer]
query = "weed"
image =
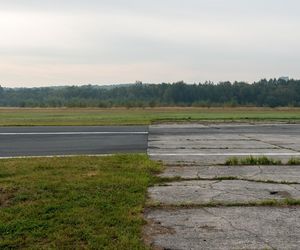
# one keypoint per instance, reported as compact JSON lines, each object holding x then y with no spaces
{"x":294,"y":161}
{"x":233,"y":161}
{"x":262,"y":203}
{"x":250,"y":160}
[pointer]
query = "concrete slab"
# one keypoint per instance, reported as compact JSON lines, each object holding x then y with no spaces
{"x":173,"y":143}
{"x":226,"y":191}
{"x":196,"y":137}
{"x":224,"y":228}
{"x":258,"y":173}
{"x":210,"y":144}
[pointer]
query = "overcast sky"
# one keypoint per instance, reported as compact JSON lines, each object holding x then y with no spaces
{"x":60,"y":42}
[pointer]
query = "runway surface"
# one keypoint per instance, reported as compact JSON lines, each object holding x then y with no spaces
{"x":171,"y":142}
{"x":214,"y":143}
{"x":49,"y":141}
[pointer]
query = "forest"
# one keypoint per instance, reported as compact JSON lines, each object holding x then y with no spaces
{"x":265,"y":93}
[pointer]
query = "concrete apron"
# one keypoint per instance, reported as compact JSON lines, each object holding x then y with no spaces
{"x":180,"y":215}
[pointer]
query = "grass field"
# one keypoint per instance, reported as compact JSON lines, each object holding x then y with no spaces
{"x":74,"y":203}
{"x":123,"y":116}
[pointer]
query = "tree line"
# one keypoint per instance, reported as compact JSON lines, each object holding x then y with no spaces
{"x":265,"y":93}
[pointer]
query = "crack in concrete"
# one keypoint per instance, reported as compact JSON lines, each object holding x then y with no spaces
{"x":223,"y":192}
{"x":272,"y":144}
{"x":239,"y":229}
{"x":212,"y":183}
{"x":226,"y":178}
{"x":294,"y":187}
{"x":259,"y":172}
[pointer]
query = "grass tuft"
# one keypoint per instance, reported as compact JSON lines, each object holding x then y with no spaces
{"x":232,"y":161}
{"x":250,"y":160}
{"x":294,"y":161}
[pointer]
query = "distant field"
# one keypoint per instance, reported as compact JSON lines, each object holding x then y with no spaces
{"x":123,"y":116}
{"x":74,"y":203}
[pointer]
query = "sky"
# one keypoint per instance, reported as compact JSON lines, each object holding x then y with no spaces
{"x":75,"y":42}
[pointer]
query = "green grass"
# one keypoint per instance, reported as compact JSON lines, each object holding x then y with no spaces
{"x":250,"y":160}
{"x":74,"y":203}
{"x":140,"y":116}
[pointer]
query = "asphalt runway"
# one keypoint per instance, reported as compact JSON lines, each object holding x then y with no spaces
{"x":72,"y":140}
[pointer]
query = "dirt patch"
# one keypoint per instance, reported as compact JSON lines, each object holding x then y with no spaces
{"x":92,"y":174}
{"x":283,"y":194}
{"x":6,"y":195}
{"x":153,"y":229}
